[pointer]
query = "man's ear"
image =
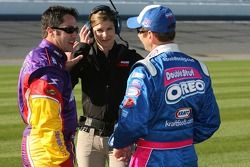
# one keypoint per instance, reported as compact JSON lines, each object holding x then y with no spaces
{"x":150,"y":36}
{"x":49,"y":30}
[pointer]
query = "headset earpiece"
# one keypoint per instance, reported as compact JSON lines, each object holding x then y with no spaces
{"x":118,"y":24}
{"x":87,"y":24}
{"x":117,"y":20}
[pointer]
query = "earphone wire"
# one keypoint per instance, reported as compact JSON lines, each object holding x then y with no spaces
{"x":118,"y":18}
{"x":114,"y":7}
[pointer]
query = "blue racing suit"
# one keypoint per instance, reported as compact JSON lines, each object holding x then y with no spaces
{"x":168,"y":107}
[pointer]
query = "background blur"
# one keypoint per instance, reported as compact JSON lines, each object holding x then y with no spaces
{"x":184,"y":9}
{"x":206,"y":29}
{"x":214,"y":31}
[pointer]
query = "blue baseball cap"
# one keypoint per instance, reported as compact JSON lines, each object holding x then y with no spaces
{"x":155,"y":18}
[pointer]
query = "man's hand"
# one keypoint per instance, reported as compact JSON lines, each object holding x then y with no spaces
{"x":70,"y":63}
{"x":71,"y":60}
{"x":122,"y":154}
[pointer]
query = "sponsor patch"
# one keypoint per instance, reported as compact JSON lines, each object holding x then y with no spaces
{"x":133,"y":91}
{"x":180,"y":73}
{"x":51,"y":92}
{"x":129,"y":103}
{"x":174,"y":58}
{"x":60,"y":143}
{"x":123,"y":64}
{"x":183,"y":113}
{"x":136,"y":83}
{"x":175,"y":92}
{"x":146,"y":22}
{"x":137,"y":75}
{"x":170,"y":17}
{"x":124,"y":113}
{"x":178,"y":123}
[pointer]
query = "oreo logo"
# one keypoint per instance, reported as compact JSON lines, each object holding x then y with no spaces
{"x":176,"y":92}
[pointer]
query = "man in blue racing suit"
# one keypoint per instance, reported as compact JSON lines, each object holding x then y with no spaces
{"x":169,"y":104}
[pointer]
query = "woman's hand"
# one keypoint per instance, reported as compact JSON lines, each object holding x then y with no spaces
{"x":85,"y":35}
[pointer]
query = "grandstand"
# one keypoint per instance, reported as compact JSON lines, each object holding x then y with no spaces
{"x":185,"y":9}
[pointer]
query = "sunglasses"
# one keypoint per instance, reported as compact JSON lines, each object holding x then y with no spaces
{"x":141,"y":30}
{"x":69,"y":30}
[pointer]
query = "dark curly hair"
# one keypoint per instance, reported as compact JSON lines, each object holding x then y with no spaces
{"x":53,"y":17}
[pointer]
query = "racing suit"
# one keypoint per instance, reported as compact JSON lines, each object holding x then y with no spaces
{"x":47,"y":106}
{"x":168,"y":107}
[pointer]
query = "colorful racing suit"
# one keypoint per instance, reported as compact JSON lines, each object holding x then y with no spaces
{"x":47,"y":106}
{"x":169,"y":106}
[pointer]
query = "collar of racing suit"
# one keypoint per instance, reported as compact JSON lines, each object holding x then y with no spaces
{"x":169,"y":47}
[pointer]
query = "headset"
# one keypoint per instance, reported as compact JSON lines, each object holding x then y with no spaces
{"x":117,"y":20}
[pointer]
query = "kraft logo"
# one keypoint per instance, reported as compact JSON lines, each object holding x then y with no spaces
{"x":183,"y":113}
{"x":176,"y":92}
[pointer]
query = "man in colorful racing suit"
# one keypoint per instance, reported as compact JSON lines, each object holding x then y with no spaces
{"x":45,"y":98}
{"x":169,"y":104}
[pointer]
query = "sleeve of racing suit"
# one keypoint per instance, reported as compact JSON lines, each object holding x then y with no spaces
{"x":45,"y":104}
{"x":207,"y":119}
{"x":135,"y":107}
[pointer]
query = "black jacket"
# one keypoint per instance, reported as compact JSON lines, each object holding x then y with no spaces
{"x":103,"y":80}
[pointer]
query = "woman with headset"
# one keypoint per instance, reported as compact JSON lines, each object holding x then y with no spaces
{"x":103,"y":72}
